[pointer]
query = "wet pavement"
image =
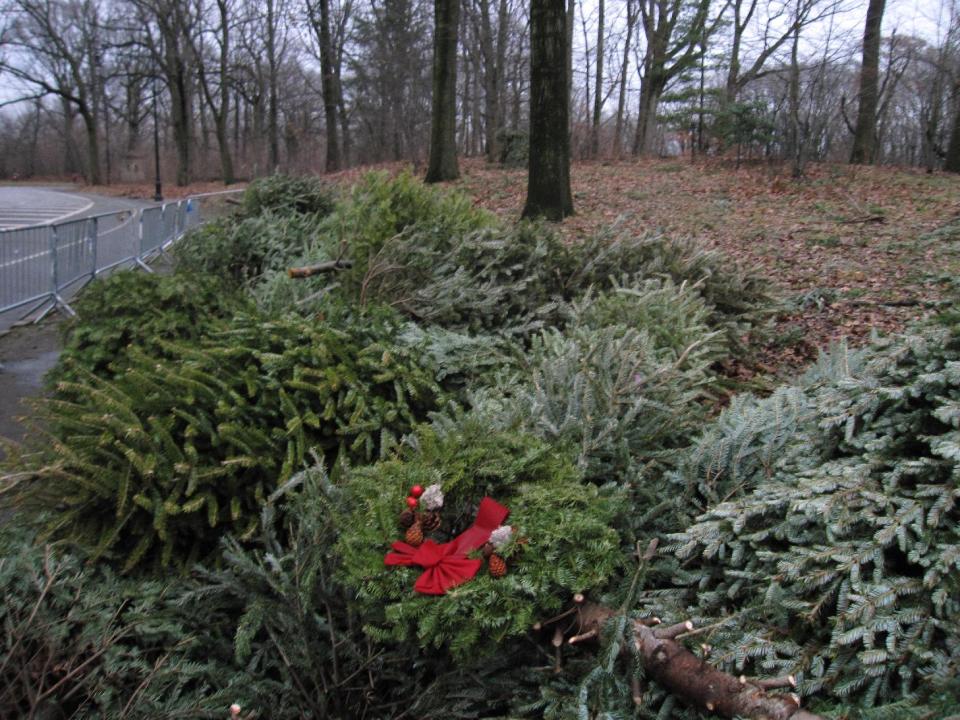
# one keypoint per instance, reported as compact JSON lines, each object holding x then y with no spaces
{"x":23,"y":206}
{"x":25,"y":266}
{"x":26,"y":354}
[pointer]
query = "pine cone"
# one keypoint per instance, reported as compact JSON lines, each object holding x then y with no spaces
{"x":407,"y":518}
{"x":498,"y":568}
{"x":487,"y":550}
{"x":430,"y":521}
{"x":414,"y":535}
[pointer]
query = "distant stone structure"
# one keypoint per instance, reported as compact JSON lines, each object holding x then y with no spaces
{"x":133,"y":169}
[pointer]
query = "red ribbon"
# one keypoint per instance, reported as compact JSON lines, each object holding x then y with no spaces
{"x":447,"y":565}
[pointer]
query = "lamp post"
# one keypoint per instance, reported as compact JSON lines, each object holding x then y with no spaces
{"x":158,"y":194}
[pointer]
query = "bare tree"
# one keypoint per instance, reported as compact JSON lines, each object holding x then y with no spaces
{"x":780,"y":24}
{"x":864,"y":136}
{"x":624,"y":72}
{"x":493,"y":42}
{"x":597,"y":85}
{"x":167,"y":32}
{"x":319,"y":16}
{"x":951,"y":160}
{"x":390,"y":85}
{"x":57,"y":49}
{"x":548,"y":179}
{"x":218,"y":97}
{"x":274,"y":42}
{"x":443,"y":126}
{"x":673,"y":30}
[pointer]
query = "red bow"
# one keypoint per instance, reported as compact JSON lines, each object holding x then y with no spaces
{"x":447,"y":565}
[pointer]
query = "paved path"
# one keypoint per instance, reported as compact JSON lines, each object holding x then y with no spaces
{"x":21,"y":206}
{"x":24,"y":258}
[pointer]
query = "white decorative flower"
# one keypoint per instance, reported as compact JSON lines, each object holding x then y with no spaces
{"x":501,"y":536}
{"x":432,"y":498}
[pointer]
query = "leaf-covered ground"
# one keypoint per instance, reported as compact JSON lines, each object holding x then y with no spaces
{"x":848,"y":249}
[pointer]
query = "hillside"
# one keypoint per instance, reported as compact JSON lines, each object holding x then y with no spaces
{"x":849,"y":249}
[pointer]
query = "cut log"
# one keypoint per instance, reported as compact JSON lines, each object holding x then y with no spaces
{"x":699,"y":683}
{"x":690,"y":678}
{"x":324,"y":267}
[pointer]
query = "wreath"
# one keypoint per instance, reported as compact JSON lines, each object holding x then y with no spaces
{"x":449,"y":564}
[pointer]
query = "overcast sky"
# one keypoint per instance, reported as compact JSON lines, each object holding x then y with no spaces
{"x":908,"y":17}
{"x":911,"y":17}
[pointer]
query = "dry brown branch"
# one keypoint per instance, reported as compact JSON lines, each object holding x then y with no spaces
{"x":687,"y":676}
{"x":671,"y":632}
{"x":588,"y":635}
{"x":699,"y":683}
{"x":324,"y":267}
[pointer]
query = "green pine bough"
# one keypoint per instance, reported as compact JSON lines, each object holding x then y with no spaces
{"x":563,"y":539}
{"x":838,"y":556}
{"x":809,"y":535}
{"x":158,"y":463}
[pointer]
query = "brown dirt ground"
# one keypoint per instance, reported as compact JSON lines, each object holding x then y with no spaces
{"x":849,"y":250}
{"x":144,"y":191}
{"x":855,"y":249}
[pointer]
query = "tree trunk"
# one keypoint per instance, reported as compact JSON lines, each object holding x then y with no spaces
{"x":733,"y":72}
{"x":696,"y":143}
{"x":223,"y":143}
{"x":796,"y":141}
{"x":624,"y":69}
{"x":548,"y":180}
{"x":330,"y":89}
{"x":107,"y":144}
{"x":476,"y":124}
{"x":951,"y":162}
{"x":650,"y":91}
{"x":342,"y":115}
{"x":34,"y":138}
{"x":492,"y":72}
{"x":443,"y":125}
{"x":466,"y":104}
{"x":597,"y":87}
{"x":93,"y":147}
{"x":571,"y":9}
{"x":236,"y":125}
{"x":586,"y":80}
{"x":865,"y":132}
{"x":273,"y":106}
{"x":222,"y":118}
{"x":180,"y":119}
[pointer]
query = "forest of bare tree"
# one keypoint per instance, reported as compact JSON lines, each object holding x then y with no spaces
{"x":240,"y":89}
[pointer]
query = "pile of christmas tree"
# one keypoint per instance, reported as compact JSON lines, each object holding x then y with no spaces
{"x":463,"y":469}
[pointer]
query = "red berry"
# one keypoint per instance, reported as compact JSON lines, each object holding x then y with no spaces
{"x":416,"y":491}
{"x":411,"y":502}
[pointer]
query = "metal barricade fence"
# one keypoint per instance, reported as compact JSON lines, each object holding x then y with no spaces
{"x":118,"y":242}
{"x":169,"y":221}
{"x":192,"y":214}
{"x":39,"y":264}
{"x":25,"y":266}
{"x":75,"y":248}
{"x":151,"y":232}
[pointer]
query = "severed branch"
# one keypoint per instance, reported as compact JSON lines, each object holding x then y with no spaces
{"x":907,"y":302}
{"x":878,"y":219}
{"x":671,"y":633}
{"x":687,"y":676}
{"x":699,"y":683}
{"x":324,"y":267}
